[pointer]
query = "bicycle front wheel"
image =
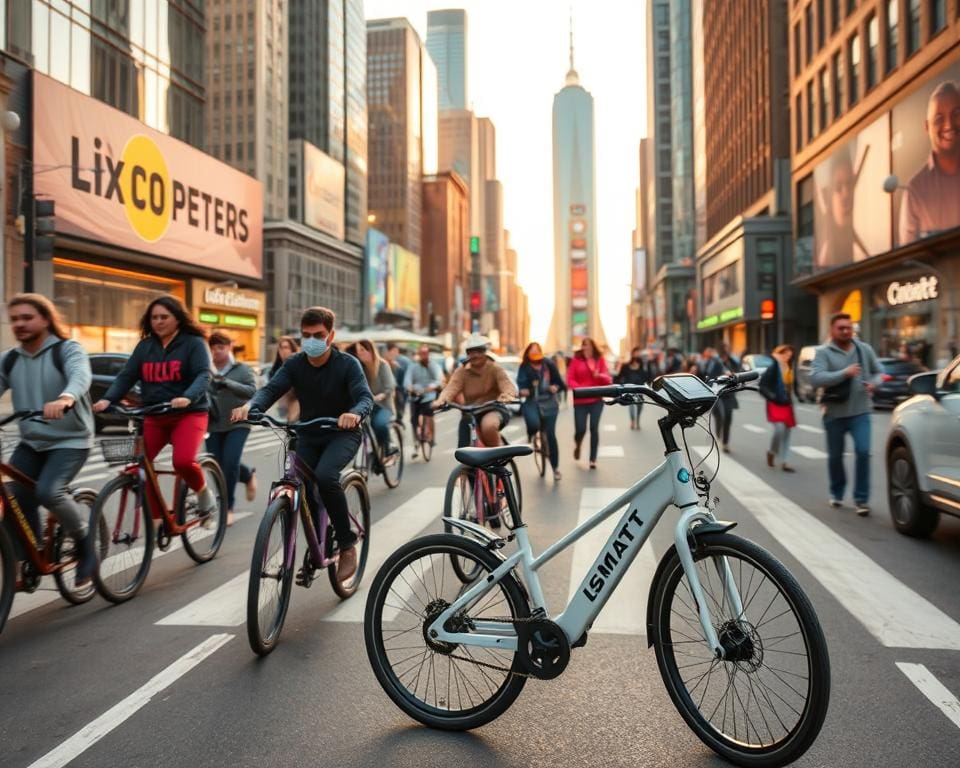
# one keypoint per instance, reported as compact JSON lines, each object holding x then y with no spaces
{"x":764,"y":704}
{"x":539,"y":457}
{"x":271,"y":577}
{"x":65,"y":554}
{"x":124,"y":539}
{"x":8,"y":574}
{"x":202,"y":540}
{"x":426,"y":440}
{"x":358,"y":509}
{"x":393,"y":465}
{"x":441,"y":685}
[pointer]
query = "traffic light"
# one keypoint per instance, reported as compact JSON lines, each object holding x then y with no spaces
{"x":43,"y":229}
{"x":474,"y":245}
{"x":768,"y":309}
{"x":475,"y":301}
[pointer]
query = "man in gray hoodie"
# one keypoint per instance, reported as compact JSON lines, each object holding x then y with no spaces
{"x":841,"y":359}
{"x":49,"y":372}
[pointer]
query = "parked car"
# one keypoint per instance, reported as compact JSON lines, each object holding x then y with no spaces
{"x":923,"y":452}
{"x":756,"y":362}
{"x":805,"y":390}
{"x":105,"y":366}
{"x":893,"y":388}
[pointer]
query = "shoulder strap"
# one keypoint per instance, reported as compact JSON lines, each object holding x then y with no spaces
{"x":10,"y":360}
{"x":13,"y":355}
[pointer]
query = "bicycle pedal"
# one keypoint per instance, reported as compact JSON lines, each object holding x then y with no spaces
{"x":305,"y":577}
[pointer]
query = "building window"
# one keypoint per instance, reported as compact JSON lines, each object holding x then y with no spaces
{"x":851,"y":6}
{"x":853,"y":69}
{"x":834,"y":15}
{"x":873,"y":45}
{"x":913,"y":27}
{"x":811,"y":123}
{"x":808,"y":29}
{"x":796,"y":50}
{"x":836,"y":66}
{"x":823,"y":95}
{"x":803,"y":247}
{"x":821,"y":24}
{"x":893,"y":34}
{"x":938,"y":16}
{"x":798,"y":113}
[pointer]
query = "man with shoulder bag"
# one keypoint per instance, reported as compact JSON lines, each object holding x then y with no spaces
{"x":847,"y":370}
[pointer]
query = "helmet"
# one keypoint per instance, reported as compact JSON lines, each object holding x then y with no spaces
{"x":476,"y":341}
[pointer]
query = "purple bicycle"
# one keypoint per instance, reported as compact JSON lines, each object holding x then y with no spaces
{"x":274,"y":551}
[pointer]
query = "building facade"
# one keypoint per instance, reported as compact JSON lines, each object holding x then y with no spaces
{"x":876,"y":169}
{"x":445,"y":264}
{"x":447,"y":44}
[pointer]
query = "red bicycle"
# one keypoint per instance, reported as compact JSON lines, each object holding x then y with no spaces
{"x":52,"y":554}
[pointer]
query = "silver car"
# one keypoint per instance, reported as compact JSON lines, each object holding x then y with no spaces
{"x":923,"y":452}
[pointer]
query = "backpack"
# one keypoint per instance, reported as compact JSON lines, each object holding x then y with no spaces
{"x":14,"y":354}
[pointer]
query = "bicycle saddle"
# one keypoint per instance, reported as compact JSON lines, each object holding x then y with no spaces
{"x":490,"y":457}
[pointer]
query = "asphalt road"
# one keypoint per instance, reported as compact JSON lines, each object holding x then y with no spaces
{"x":168,"y":678}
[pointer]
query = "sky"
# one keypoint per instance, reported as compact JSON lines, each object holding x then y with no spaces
{"x":518,"y":56}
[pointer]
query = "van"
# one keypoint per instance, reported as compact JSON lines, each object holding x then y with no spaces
{"x":805,"y":391}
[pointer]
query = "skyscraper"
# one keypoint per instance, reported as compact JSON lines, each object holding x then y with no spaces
{"x":576,"y":305}
{"x":447,"y":44}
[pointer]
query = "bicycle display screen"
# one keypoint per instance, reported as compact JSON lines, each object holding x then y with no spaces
{"x":686,"y":388}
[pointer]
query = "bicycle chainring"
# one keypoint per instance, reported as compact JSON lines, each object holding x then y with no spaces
{"x":543,"y":648}
{"x":163,"y":537}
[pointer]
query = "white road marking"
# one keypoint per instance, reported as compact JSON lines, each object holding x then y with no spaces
{"x":610,"y":452}
{"x":225,"y":606}
{"x":609,"y":428}
{"x":808,"y":428}
{"x":754,"y":428}
{"x":511,"y":429}
{"x":933,"y":689}
{"x":807,"y":452}
{"x":893,"y":613}
{"x":90,"y":734}
{"x":626,"y":611}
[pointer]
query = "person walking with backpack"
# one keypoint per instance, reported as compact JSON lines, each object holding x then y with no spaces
{"x":231,"y":386}
{"x":49,"y":372}
{"x":777,"y":387}
{"x":847,"y":370}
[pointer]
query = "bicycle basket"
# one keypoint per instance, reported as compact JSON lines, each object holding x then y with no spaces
{"x":119,"y":450}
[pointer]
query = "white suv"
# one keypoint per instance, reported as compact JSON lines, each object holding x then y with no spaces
{"x":923,"y":453}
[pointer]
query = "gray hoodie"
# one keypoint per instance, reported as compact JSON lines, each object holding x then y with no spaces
{"x":35,"y":380}
{"x":826,"y":370}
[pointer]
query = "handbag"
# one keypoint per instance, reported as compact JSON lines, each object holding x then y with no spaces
{"x":840,"y":393}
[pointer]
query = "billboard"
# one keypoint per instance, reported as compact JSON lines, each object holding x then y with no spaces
{"x":490,"y":302}
{"x":852,"y":215}
{"x":114,"y":180}
{"x":376,"y":269}
{"x":925,"y":147}
{"x":404,"y":292}
{"x":323,"y":185}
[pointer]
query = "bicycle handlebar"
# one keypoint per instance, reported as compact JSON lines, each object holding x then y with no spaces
{"x":728,"y":383}
{"x":261,"y":419}
{"x":19,"y":415}
{"x":474,"y":408}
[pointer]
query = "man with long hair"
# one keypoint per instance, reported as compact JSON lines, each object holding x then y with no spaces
{"x":50,"y":372}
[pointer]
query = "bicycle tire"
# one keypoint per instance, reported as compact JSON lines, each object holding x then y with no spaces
{"x":539,"y":459}
{"x":355,"y":490}
{"x":8,"y":574}
{"x":446,"y":548}
{"x":426,"y":446}
{"x":393,"y":471}
{"x":754,"y":645}
{"x":199,"y":533}
{"x":460,"y":502}
{"x":515,"y":482}
{"x":122,"y":552}
{"x":278,"y":511}
{"x":64,"y":549}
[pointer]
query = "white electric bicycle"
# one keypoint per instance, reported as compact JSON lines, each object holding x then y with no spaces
{"x":737,"y":642}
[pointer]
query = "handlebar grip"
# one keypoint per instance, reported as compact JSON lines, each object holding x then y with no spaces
{"x":612,"y":390}
{"x":742,"y":378}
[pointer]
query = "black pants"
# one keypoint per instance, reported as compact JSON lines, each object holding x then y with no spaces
{"x":463,"y":431}
{"x":580,"y":415}
{"x":723,"y":416}
{"x":329,"y":453}
{"x":227,"y":448}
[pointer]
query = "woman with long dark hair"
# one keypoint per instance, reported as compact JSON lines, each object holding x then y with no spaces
{"x":383,"y":386}
{"x":537,"y":371}
{"x":173,"y":364}
{"x":587,"y":369}
{"x":287,"y":406}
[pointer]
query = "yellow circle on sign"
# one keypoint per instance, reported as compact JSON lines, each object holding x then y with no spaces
{"x":147,"y":192}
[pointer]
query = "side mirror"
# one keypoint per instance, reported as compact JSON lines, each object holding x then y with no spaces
{"x":923,"y":384}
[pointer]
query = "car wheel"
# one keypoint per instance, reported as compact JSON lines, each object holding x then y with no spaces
{"x":910,"y":515}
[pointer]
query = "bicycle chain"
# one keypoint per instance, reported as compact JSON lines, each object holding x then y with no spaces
{"x":487,"y":665}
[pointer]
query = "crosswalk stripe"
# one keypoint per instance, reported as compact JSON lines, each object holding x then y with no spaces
{"x":933,"y":689}
{"x":807,"y":452}
{"x":626,"y":610}
{"x":609,"y":428}
{"x":893,"y":613}
{"x":754,"y":428}
{"x":808,"y":428}
{"x":610,"y":452}
{"x":225,"y":606}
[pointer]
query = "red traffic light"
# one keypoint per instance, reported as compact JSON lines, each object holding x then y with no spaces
{"x":475,"y":301}
{"x":768,"y":309}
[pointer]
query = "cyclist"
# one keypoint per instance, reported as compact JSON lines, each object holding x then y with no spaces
{"x":480,"y":380}
{"x":539,"y":370}
{"x":50,"y":372}
{"x":383,"y":386}
{"x":172,"y":363}
{"x":424,"y":381}
{"x":328,"y":383}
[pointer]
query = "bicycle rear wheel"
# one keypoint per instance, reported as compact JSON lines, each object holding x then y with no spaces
{"x":124,"y":529}
{"x":65,"y":552}
{"x":8,"y":574}
{"x":271,"y":577}
{"x":460,"y":503}
{"x":358,"y":506}
{"x":426,"y":441}
{"x":441,"y":685}
{"x":393,"y":465}
{"x":765,"y":703}
{"x":202,"y":541}
{"x":539,"y":458}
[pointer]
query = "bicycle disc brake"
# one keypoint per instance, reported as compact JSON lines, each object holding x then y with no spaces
{"x":543,"y":648}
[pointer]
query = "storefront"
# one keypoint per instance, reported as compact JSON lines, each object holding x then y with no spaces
{"x":239,"y":313}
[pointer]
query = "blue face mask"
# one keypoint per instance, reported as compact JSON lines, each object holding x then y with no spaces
{"x":314,"y":347}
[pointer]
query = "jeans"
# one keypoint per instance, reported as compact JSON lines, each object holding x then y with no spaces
{"x":780,"y":444}
{"x":328,"y":454}
{"x":52,"y":471}
{"x":380,"y":421}
{"x":532,"y":418}
{"x":635,"y":409}
{"x":227,"y":448}
{"x":723,"y":414}
{"x":859,"y":429}
{"x":580,"y":414}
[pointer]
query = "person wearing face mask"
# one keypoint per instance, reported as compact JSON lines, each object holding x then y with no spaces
{"x":327,"y":383}
{"x":587,"y":369}
{"x":539,"y":372}
{"x":634,"y":371}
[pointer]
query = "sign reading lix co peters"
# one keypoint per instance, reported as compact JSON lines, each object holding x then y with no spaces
{"x":116,"y":181}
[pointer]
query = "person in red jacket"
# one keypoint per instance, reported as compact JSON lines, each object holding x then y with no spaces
{"x":587,"y":369}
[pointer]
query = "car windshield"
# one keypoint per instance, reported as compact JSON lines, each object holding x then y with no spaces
{"x":760,"y":361}
{"x":900,"y":367}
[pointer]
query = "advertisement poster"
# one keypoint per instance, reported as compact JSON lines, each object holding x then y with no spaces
{"x":323,"y":184}
{"x":404,"y":282}
{"x":376,"y":269}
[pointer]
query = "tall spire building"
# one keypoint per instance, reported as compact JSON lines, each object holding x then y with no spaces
{"x":576,"y":309}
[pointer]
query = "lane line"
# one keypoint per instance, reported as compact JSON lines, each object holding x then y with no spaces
{"x":933,"y":689}
{"x":893,"y":613}
{"x":626,"y":611}
{"x":90,"y":734}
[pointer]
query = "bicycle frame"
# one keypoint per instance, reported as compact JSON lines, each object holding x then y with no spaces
{"x":40,"y":553}
{"x":669,"y":483}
